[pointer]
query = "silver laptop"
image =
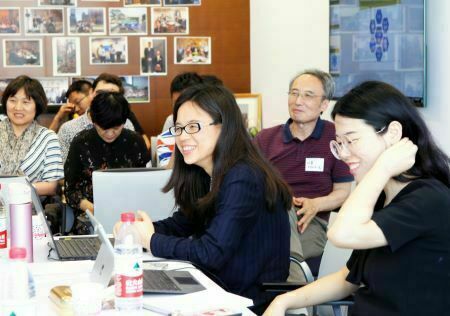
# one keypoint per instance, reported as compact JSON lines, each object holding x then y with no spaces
{"x":131,"y":189}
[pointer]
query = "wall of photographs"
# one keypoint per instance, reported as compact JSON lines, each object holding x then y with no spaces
{"x":145,"y":42}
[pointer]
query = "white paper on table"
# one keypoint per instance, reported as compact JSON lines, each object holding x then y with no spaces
{"x":195,"y":302}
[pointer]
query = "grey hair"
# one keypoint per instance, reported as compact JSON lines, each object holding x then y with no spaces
{"x":324,"y":77}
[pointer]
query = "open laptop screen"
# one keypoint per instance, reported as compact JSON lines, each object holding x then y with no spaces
{"x":131,"y":189}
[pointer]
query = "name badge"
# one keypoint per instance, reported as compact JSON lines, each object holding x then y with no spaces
{"x":314,"y":164}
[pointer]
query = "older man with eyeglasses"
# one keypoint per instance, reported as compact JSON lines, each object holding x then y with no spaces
{"x":300,"y":150}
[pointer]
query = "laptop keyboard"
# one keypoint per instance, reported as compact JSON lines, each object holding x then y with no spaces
{"x":157,"y":280}
{"x":78,"y":247}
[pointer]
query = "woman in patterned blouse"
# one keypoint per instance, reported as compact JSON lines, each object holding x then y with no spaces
{"x":26,"y":148}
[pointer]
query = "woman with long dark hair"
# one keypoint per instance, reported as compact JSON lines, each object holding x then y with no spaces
{"x":232,"y":218}
{"x":398,"y":217}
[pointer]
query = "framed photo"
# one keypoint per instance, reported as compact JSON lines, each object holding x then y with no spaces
{"x":39,"y":21}
{"x":251,"y":109}
{"x":192,"y":50}
{"x":66,"y":56}
{"x":22,"y":53}
{"x":68,"y":3}
{"x":137,"y":88}
{"x":142,"y":3}
{"x":128,"y":21}
{"x":3,"y":84}
{"x":182,"y":2}
{"x":108,"y":50}
{"x":55,"y":89}
{"x":10,"y":21}
{"x":153,"y":56}
{"x":86,"y":21}
{"x":170,"y":20}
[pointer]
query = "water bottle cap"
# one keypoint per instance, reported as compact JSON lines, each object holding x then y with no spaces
{"x":19,"y":193}
{"x":127,"y":217}
{"x":17,"y":253}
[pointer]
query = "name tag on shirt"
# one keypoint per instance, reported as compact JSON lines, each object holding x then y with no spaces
{"x":314,"y":164}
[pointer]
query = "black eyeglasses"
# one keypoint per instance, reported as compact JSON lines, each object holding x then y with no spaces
{"x":191,"y":128}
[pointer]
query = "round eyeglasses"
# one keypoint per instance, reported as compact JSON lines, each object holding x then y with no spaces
{"x":344,"y":145}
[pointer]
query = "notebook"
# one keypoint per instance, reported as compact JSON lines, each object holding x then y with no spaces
{"x":131,"y":189}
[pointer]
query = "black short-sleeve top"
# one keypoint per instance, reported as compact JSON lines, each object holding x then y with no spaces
{"x":411,"y":275}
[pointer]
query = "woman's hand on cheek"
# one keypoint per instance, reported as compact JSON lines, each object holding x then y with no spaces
{"x":398,"y":158}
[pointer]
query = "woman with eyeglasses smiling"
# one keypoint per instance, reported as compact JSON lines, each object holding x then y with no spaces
{"x":232,"y":218}
{"x":398,"y":217}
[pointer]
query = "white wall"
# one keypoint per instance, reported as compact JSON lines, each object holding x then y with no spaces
{"x":288,"y":38}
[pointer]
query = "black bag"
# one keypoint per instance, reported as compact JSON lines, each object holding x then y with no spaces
{"x":82,"y":226}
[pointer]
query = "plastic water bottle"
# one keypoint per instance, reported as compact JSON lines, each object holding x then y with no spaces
{"x":3,"y":228}
{"x":20,"y":218}
{"x":17,"y":288}
{"x":128,"y":266}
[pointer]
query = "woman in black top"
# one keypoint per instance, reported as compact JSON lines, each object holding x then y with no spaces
{"x":108,"y":145}
{"x":398,"y":217}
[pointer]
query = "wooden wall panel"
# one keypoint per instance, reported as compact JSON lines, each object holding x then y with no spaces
{"x":227,"y":22}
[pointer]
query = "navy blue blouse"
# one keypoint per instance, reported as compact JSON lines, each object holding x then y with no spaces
{"x":244,"y":244}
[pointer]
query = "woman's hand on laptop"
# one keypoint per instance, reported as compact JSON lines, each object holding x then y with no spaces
{"x":144,"y":226}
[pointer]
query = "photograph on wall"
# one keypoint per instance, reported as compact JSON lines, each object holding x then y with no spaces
{"x":335,"y":55}
{"x":86,"y":21}
{"x":108,"y":50}
{"x":170,"y":20}
{"x":137,"y":88}
{"x":3,"y":84}
{"x":71,"y":3}
{"x":251,"y":109}
{"x":10,"y":21}
{"x":142,"y":3}
{"x":55,"y":89}
{"x":66,"y":56}
{"x":153,"y":56}
{"x":39,"y":21}
{"x":22,"y":53}
{"x":404,"y":58}
{"x":192,"y":50}
{"x":182,"y":2}
{"x":128,"y":21}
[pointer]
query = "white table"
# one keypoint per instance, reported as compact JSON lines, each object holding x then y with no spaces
{"x":48,"y":273}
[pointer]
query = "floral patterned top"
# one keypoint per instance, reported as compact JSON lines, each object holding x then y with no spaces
{"x":89,"y":152}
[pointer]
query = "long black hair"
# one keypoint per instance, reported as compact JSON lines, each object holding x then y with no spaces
{"x":194,"y":191}
{"x":378,"y":104}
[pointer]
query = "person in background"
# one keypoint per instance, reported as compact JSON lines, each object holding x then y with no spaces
{"x":67,"y":132}
{"x":398,"y":217}
{"x":300,"y":150}
{"x":112,"y":83}
{"x":26,"y":148}
{"x":105,"y":146}
{"x":78,"y":96}
{"x":165,"y":142}
{"x":232,"y":218}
